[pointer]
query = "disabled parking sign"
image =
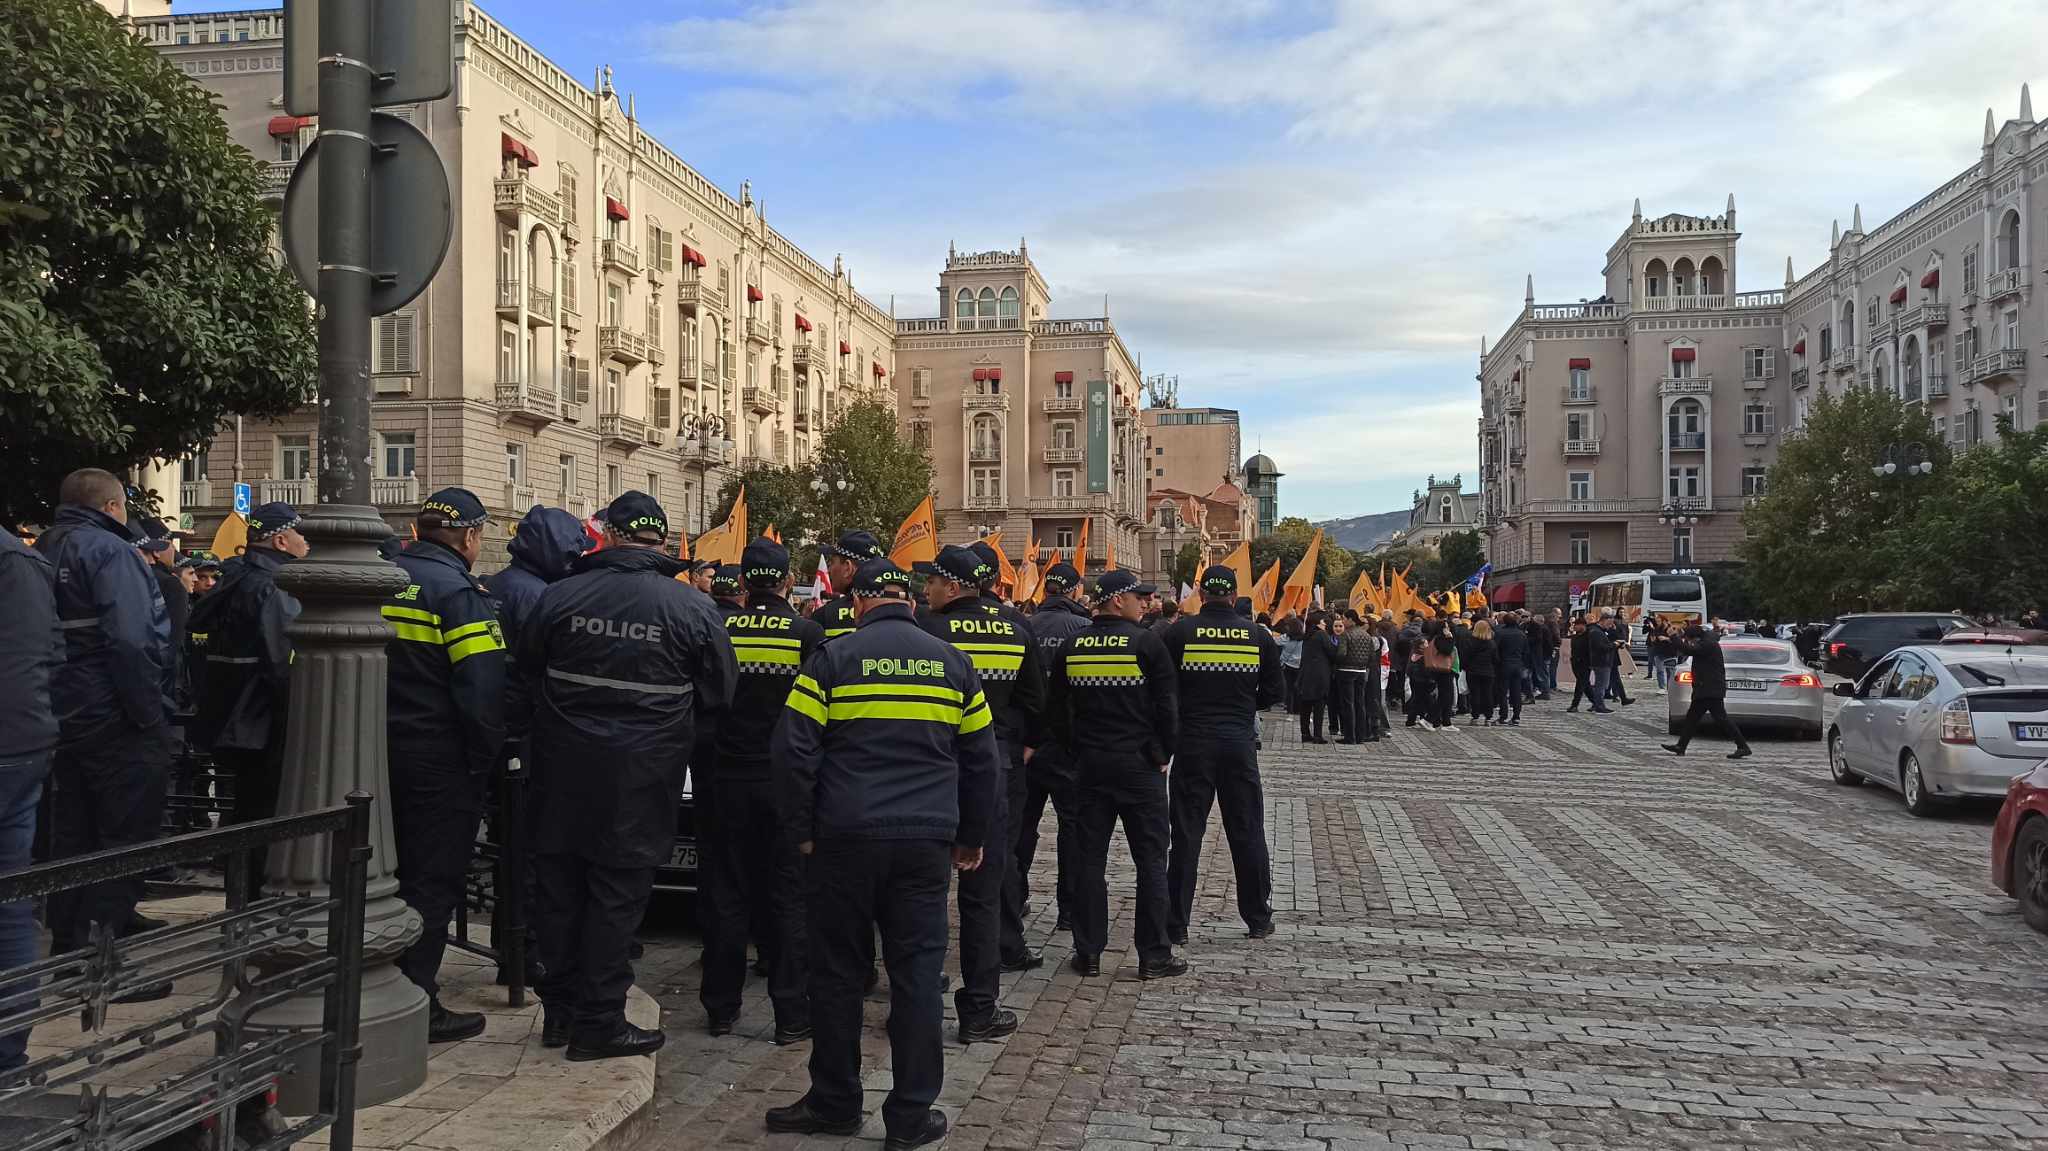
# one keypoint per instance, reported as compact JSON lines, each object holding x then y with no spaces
{"x":242,"y":499}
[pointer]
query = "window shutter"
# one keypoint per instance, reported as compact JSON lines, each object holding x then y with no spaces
{"x":394,"y":345}
{"x":921,"y":382}
{"x":1770,"y":420}
{"x":653,"y":246}
{"x":583,"y":380}
{"x":668,"y":250}
{"x":661,"y":408}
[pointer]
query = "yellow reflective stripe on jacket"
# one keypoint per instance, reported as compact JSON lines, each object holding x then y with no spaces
{"x":805,"y":683}
{"x":413,"y":625}
{"x":914,"y":690}
{"x":412,"y":614}
{"x":474,"y":645}
{"x":977,"y":715}
{"x":949,"y":714}
{"x":766,"y":641}
{"x":807,"y":705}
{"x":994,"y":656}
{"x":766,"y":655}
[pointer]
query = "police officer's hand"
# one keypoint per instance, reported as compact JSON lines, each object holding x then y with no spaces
{"x":1028,"y":753}
{"x":966,"y":858}
{"x":804,"y":848}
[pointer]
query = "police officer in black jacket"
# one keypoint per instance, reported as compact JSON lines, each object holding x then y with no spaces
{"x":1229,"y":669}
{"x":1112,"y":700}
{"x":888,"y":758}
{"x":842,"y":559}
{"x":112,"y":696}
{"x":622,"y":656}
{"x":1020,"y":728}
{"x":751,"y":871}
{"x":1003,"y":655}
{"x":31,"y":649}
{"x":446,"y":712}
{"x":246,"y":689}
{"x":1050,"y":773}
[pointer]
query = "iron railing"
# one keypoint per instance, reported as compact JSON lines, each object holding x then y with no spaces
{"x":62,"y":1102}
{"x":495,"y":885}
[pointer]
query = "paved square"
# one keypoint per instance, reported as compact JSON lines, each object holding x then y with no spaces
{"x":1555,"y":935}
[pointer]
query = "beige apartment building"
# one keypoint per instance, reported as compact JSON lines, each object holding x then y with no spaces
{"x":606,"y":319}
{"x":1439,"y":508}
{"x":1628,"y":431}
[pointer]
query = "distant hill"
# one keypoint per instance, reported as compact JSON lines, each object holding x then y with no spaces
{"x":1361,"y":533}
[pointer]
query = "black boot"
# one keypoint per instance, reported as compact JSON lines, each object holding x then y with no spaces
{"x":627,"y":1041}
{"x":445,"y":1026}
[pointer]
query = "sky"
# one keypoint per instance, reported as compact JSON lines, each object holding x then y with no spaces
{"x":1309,"y":210}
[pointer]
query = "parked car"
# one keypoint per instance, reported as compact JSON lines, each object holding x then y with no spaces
{"x":1767,"y":687}
{"x":1999,"y":636}
{"x":2019,"y":846}
{"x":1858,"y":641}
{"x":1942,"y":723}
{"x":681,"y":872}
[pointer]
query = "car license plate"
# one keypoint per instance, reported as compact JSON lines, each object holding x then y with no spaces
{"x":1747,"y":685}
{"x":683,"y":857}
{"x":2030,"y":731}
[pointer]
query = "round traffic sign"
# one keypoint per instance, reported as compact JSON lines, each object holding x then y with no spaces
{"x":412,"y":217}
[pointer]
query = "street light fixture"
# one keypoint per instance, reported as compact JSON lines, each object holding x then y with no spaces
{"x":1675,"y":513}
{"x":1911,"y":458}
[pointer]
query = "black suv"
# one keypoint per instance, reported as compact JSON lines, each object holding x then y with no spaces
{"x":1857,"y":641}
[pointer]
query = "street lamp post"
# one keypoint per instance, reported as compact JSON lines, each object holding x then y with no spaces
{"x":1911,"y":459}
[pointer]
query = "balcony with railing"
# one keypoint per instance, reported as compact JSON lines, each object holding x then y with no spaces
{"x":1923,"y":316}
{"x":1056,"y":405}
{"x":395,"y":491}
{"x":519,"y":497}
{"x":277,"y":176}
{"x":760,"y":400}
{"x":1882,"y":330}
{"x":1756,"y":383}
{"x":758,"y":333}
{"x":618,"y":342}
{"x":2002,"y":364}
{"x":528,"y":403}
{"x":2004,"y":282}
{"x":622,"y":430}
{"x":1582,"y":447}
{"x":540,"y":307}
{"x":690,"y":373}
{"x":973,"y":402}
{"x":1513,"y":402}
{"x":508,"y":298}
{"x":1585,"y":395}
{"x":694,"y":292}
{"x":1588,"y":507}
{"x":518,"y":197}
{"x":802,"y":357}
{"x":921,"y":327}
{"x":986,"y":502}
{"x":1843,"y":359}
{"x":800,"y":414}
{"x":656,"y":354}
{"x":1686,"y":386}
{"x":619,"y":256}
{"x":1799,"y":377}
{"x":298,"y":493}
{"x":1937,"y":384}
{"x":1064,"y":455}
{"x":1686,"y":441}
{"x":197,"y":493}
{"x":985,"y":454}
{"x":1682,"y":303}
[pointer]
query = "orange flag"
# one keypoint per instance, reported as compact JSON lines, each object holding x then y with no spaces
{"x":1109,"y":557}
{"x":917,"y":540}
{"x":1006,"y":572}
{"x":769,"y":532}
{"x":1081,"y":548}
{"x":683,"y":551}
{"x":1053,"y":561}
{"x":232,"y":538}
{"x":724,"y":543}
{"x":1026,"y":589}
{"x":1240,"y":564}
{"x":1263,"y":591}
{"x":1032,"y":555}
{"x":1300,"y":590}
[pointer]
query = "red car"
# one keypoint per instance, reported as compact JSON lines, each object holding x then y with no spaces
{"x":2019,"y":846}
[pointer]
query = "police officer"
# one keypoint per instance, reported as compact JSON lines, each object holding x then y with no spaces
{"x":246,"y":687}
{"x":112,"y":697}
{"x":726,"y":590}
{"x":622,"y":656}
{"x":701,"y":572}
{"x":1112,"y":704}
{"x":1007,"y":662}
{"x":842,"y":559}
{"x":446,"y":710}
{"x":1050,"y":773}
{"x":1229,"y":669}
{"x":888,"y":760}
{"x":1020,"y":730}
{"x":752,"y":872}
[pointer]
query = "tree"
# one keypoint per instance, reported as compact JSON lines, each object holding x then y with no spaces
{"x":1975,"y":541}
{"x":1186,"y":565}
{"x":1827,"y":536}
{"x":1424,"y":567}
{"x":140,"y":302}
{"x":1459,"y":554}
{"x":1288,"y":542}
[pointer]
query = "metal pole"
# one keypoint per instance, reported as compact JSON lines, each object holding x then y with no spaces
{"x":345,"y":272}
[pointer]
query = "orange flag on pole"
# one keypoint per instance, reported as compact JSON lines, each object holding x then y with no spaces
{"x":1297,"y":595}
{"x":1263,"y":591}
{"x":1081,"y":547}
{"x":1240,"y":564}
{"x":1109,"y":555}
{"x":724,"y":543}
{"x":769,"y":532}
{"x":917,"y":540}
{"x":1006,"y":572}
{"x":1032,"y":555}
{"x":233,"y":537}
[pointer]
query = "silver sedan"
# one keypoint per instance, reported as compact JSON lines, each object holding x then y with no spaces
{"x":1767,"y":687}
{"x":1943,"y":722}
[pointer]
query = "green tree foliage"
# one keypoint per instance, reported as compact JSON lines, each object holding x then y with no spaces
{"x":1828,"y":536}
{"x":1976,"y":540}
{"x":1186,"y":565}
{"x":1459,"y":554}
{"x":1425,"y":567}
{"x":871,"y":474}
{"x":1288,"y":542}
{"x":140,"y":303}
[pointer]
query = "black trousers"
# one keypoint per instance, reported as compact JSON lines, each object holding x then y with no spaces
{"x":586,"y":914}
{"x":106,"y":791}
{"x":1376,"y":723}
{"x":1227,"y":772}
{"x":1485,"y":690}
{"x":750,"y":873}
{"x":1311,"y":713}
{"x":1011,"y":944}
{"x":1511,"y":690}
{"x":1421,"y":697}
{"x":1109,"y":794}
{"x":1397,"y":685}
{"x":1038,"y":790}
{"x":852,"y":887}
{"x":981,"y":916}
{"x":1288,"y":676}
{"x":1348,"y":703}
{"x":1701,"y":708}
{"x":435,"y":813}
{"x":1445,"y":685}
{"x":258,"y":775}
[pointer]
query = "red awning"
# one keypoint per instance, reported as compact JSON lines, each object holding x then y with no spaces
{"x":980,"y":374}
{"x":614,"y":210}
{"x":1899,"y":294}
{"x":995,"y":373}
{"x":693,"y":256}
{"x":802,"y":325}
{"x":511,"y":147}
{"x":1063,"y":377}
{"x":879,"y":373}
{"x":845,"y":349}
{"x":754,"y":294}
{"x":1932,"y":279}
{"x":289,"y":125}
{"x":1799,"y":349}
{"x":1581,"y":362}
{"x":1683,"y":355}
{"x":1509,"y":593}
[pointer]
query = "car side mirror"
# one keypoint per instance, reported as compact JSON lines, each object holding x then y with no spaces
{"x":1846,"y":689}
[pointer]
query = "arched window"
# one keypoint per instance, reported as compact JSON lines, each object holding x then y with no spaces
{"x":1848,"y":324}
{"x":988,"y":436}
{"x":1443,"y":510}
{"x":1687,"y":418}
{"x":988,"y":307}
{"x":1799,"y":348}
{"x":1909,"y":368}
{"x":1682,"y":281}
{"x":1009,"y":308}
{"x":1656,"y":279}
{"x":963,"y":310}
{"x":1711,"y":276}
{"x":2009,"y":241}
{"x":1878,"y":378}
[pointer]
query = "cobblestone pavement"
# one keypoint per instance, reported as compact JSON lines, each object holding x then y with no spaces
{"x":1551,"y":935}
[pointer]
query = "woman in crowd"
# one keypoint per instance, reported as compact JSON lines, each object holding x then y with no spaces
{"x":1312,"y":688}
{"x":1481,"y":657}
{"x":1440,"y":667}
{"x":1357,"y":683}
{"x":1289,"y":638}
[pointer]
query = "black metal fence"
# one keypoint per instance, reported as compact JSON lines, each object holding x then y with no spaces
{"x":495,"y":885}
{"x":258,"y":950}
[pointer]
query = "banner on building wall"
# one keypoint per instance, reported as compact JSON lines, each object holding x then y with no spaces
{"x":1098,"y":436}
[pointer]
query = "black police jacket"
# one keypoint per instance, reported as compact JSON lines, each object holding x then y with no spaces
{"x":771,"y":644}
{"x":997,"y":640}
{"x":622,"y":656}
{"x":238,"y":630}
{"x":446,"y":702}
{"x":1709,"y":666}
{"x":835,"y":615}
{"x":31,"y":650}
{"x":1228,"y":668}
{"x":887,"y":736}
{"x":1056,"y":621}
{"x":117,"y":634}
{"x":1112,"y":699}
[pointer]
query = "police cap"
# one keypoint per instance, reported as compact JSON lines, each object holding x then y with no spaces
{"x":266,"y":520}
{"x":1060,"y":577}
{"x":155,"y":536}
{"x":957,"y":563}
{"x":859,"y":547}
{"x":878,"y":578}
{"x":636,"y":513}
{"x":765,"y":563}
{"x":986,"y":553}
{"x":1219,"y":580}
{"x":1119,"y":581}
{"x":725,"y":580}
{"x":449,"y":508}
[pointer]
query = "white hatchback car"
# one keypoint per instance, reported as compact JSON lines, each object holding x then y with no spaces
{"x":1943,"y":722}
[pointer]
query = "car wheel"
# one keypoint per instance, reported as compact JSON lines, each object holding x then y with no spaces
{"x":1838,"y":763}
{"x":1913,"y":787}
{"x":2030,"y":873}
